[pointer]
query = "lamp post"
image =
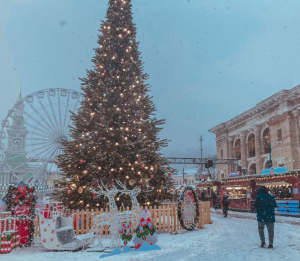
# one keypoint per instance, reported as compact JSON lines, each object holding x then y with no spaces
{"x":269,"y":140}
{"x":244,"y":171}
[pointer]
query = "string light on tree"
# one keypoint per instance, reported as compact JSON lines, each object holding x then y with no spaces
{"x":115,"y":134}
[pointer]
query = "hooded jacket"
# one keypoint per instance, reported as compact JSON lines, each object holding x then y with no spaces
{"x":226,"y":201}
{"x":265,"y":204}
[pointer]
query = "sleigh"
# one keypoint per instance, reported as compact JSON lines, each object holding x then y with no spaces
{"x":57,"y":232}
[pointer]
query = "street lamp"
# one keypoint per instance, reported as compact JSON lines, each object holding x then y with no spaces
{"x":244,"y":171}
{"x":269,"y":140}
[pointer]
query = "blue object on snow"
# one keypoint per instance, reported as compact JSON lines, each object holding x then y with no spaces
{"x":127,"y":249}
{"x":116,"y":251}
{"x":147,"y":247}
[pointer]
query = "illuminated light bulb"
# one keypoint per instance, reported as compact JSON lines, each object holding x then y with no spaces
{"x":127,"y":129}
{"x":121,"y":94}
{"x":108,"y":27}
{"x":117,"y":144}
{"x":99,"y":167}
{"x":125,"y":138}
{"x":97,"y":204}
{"x":120,"y":35}
{"x":118,"y":109}
{"x":148,"y":203}
{"x":137,"y":81}
{"x":84,"y":172}
{"x":84,"y":186}
{"x":139,"y":129}
{"x":146,"y":167}
{"x":80,"y":144}
{"x":139,"y":172}
{"x":118,"y":199}
{"x":121,"y":168}
{"x":127,"y":177}
{"x":129,"y":164}
{"x":136,"y":162}
{"x":112,"y":170}
{"x":132,"y":168}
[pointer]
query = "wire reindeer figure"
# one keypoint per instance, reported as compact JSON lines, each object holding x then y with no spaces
{"x":114,"y":219}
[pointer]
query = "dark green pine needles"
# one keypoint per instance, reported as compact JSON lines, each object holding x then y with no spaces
{"x":115,"y":133}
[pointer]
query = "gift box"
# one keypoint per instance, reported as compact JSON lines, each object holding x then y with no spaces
{"x":5,"y":214}
{"x":5,"y":247}
{"x":46,"y":213}
{"x":7,"y":224}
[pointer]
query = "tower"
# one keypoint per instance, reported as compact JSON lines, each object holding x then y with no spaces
{"x":15,"y":153}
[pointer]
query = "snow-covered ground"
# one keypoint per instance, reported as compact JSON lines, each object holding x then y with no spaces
{"x":226,"y":239}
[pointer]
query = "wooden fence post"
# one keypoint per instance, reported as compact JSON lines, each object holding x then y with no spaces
{"x":77,"y":222}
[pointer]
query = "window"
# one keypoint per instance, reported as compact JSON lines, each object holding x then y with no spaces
{"x":222,"y":176}
{"x":189,"y":181}
{"x":179,"y":182}
{"x":279,"y":135}
{"x":221,"y":153}
{"x":193,"y":181}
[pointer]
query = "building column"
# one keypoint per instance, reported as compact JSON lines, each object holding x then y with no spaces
{"x":243,"y":150}
{"x":230,"y":147}
{"x":258,"y":149}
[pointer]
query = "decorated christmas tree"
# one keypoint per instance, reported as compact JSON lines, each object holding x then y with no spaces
{"x":115,"y":133}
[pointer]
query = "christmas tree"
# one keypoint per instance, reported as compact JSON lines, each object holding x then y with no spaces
{"x":115,"y":133}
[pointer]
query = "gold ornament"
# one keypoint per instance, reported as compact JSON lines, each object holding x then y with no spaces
{"x":80,"y":190}
{"x":131,"y":182}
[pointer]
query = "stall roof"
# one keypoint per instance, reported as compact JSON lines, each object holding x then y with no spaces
{"x":274,"y":183}
{"x":261,"y":176}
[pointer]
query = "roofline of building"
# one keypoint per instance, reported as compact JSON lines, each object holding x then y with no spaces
{"x":259,"y":107}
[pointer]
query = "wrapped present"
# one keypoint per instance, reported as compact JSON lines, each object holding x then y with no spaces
{"x":5,"y":247}
{"x":46,"y":213}
{"x":5,"y":214}
{"x":7,"y":224}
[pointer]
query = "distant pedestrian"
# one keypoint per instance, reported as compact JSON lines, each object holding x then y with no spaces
{"x":203,"y":196}
{"x":265,"y":204}
{"x":225,"y":203}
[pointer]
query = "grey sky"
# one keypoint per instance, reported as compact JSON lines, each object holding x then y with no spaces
{"x":208,"y":60}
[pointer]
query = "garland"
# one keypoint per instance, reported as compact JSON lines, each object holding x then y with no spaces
{"x":18,"y":196}
{"x":180,"y":199}
{"x":126,"y":237}
{"x":145,"y":232}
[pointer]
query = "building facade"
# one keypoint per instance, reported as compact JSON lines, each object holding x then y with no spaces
{"x":271,"y":128}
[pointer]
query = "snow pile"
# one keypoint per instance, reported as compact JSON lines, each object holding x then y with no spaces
{"x":226,"y":239}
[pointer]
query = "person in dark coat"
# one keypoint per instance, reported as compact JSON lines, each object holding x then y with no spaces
{"x":225,"y":203}
{"x":203,"y":196}
{"x":265,"y":204}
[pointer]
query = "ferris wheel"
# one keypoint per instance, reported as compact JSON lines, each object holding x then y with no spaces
{"x":32,"y":134}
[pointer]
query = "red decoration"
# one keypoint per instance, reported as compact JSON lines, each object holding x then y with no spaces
{"x":56,"y":185}
{"x":111,"y":120}
{"x":97,"y":65}
{"x":112,"y":180}
{"x":143,"y":166}
{"x":69,"y":192}
{"x":94,"y":194}
{"x":96,"y":183}
{"x":170,"y":174}
{"x":151,"y":177}
{"x":87,"y":95}
{"x":71,"y":154}
{"x":81,"y":161}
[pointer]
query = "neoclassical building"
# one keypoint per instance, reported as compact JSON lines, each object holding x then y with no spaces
{"x":272,"y":124}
